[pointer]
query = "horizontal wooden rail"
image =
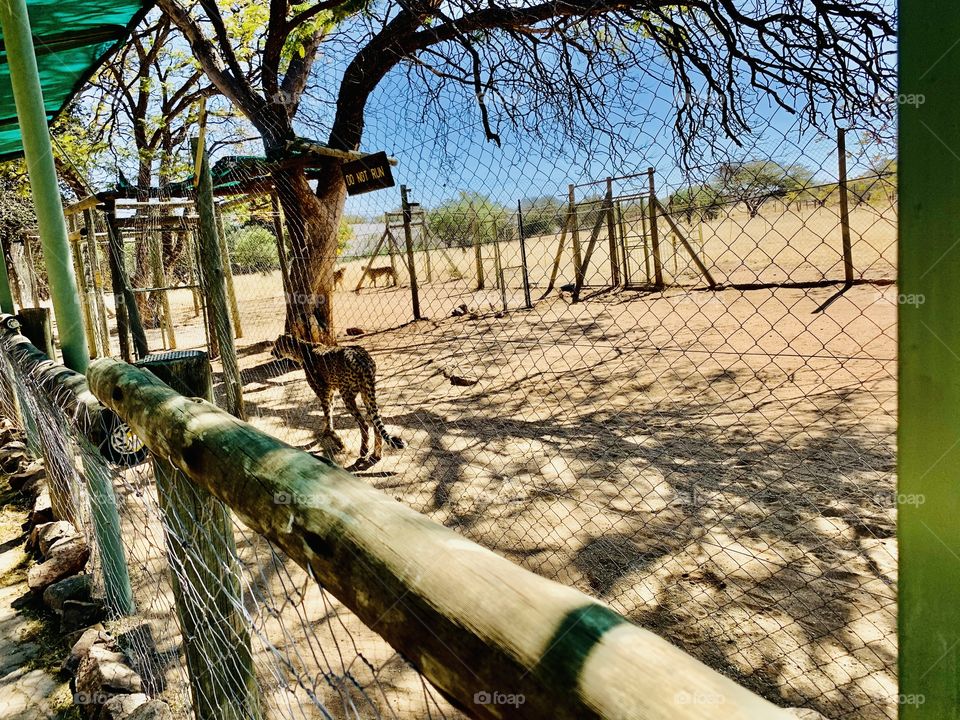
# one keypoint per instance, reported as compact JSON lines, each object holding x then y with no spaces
{"x":496,"y":640}
{"x":64,"y":387}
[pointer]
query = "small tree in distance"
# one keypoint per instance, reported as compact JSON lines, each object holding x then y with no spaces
{"x":755,"y":182}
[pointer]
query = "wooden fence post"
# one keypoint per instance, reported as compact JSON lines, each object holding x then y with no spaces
{"x":477,"y":249}
{"x":211,"y":263}
{"x":527,"y":303}
{"x":408,"y":239}
{"x":281,"y":244}
{"x":204,"y":569}
{"x":575,"y":238}
{"x":228,"y":273}
{"x":612,"y":236}
{"x":128,"y":314}
{"x":35,"y":326}
{"x":159,"y":273}
{"x":96,"y":280}
{"x":654,"y":234}
{"x":75,"y":242}
{"x":844,"y":206}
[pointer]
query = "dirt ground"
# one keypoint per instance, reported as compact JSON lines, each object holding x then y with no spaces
{"x":716,"y":465}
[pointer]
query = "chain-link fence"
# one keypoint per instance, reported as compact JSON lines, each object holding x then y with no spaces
{"x":254,"y":630}
{"x":673,"y":388}
{"x":660,"y":372}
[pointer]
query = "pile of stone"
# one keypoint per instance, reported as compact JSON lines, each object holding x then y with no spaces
{"x":105,"y":685}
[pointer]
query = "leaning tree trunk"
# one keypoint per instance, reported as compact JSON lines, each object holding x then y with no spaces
{"x":312,"y":221}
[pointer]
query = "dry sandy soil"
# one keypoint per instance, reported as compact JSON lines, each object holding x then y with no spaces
{"x":716,"y":465}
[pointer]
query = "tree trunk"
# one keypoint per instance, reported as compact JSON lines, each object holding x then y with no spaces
{"x":312,"y":221}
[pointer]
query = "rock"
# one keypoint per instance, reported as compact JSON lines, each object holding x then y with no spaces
{"x":68,"y":557}
{"x":121,"y":707}
{"x":459,"y":310}
{"x":353,"y":331}
{"x":33,"y":471}
{"x":104,"y":672}
{"x":153,"y":710}
{"x":95,"y":635}
{"x":82,"y":613}
{"x":42,"y":510}
{"x":12,"y":456}
{"x":76,"y":587}
{"x":461,"y":381}
{"x":569,"y":287}
{"x":32,"y":488}
{"x":49,"y":534}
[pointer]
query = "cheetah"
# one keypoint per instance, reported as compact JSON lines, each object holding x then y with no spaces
{"x":351,"y":370}
{"x":387,"y":272}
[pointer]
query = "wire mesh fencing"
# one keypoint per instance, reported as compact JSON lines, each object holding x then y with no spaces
{"x":673,"y":388}
{"x":251,"y":635}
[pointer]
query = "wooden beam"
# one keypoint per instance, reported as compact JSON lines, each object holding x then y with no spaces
{"x":68,"y":391}
{"x":203,"y":554}
{"x":473,"y":623}
{"x":686,"y":244}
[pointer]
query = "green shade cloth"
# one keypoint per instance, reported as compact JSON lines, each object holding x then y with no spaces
{"x":72,"y":38}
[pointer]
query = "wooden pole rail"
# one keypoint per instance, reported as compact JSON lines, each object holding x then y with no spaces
{"x":69,"y":391}
{"x":476,"y":625}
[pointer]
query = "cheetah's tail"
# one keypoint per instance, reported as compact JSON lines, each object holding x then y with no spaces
{"x":391,"y":440}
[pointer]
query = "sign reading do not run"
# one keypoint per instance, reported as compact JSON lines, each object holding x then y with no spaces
{"x":368,"y":173}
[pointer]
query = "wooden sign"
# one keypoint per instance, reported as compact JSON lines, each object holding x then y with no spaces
{"x":368,"y":173}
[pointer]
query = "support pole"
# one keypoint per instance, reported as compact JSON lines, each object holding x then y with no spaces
{"x":477,"y":248}
{"x":228,"y":274}
{"x":408,"y":239}
{"x":128,"y":314}
{"x":527,"y":303}
{"x":96,"y":280}
{"x":204,"y":563}
{"x":211,"y":264}
{"x":654,"y":234}
{"x":559,"y":254}
{"x":575,"y":237}
{"x":612,"y":237}
{"x":928,"y":534}
{"x":686,"y":244}
{"x":844,"y":206}
{"x":35,"y":134}
{"x":281,"y":244}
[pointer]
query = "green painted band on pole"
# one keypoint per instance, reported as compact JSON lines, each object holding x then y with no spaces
{"x":35,"y":134}
{"x":928,"y":494}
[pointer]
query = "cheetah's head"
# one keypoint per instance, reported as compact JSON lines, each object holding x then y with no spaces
{"x":285,"y":347}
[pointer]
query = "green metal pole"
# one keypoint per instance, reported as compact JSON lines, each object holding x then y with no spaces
{"x":35,"y":134}
{"x":929,"y":352}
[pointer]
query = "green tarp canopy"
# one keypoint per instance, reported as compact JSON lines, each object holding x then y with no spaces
{"x":72,"y":38}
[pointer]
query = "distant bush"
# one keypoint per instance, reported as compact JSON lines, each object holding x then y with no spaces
{"x":542,"y":216}
{"x":253,"y":249}
{"x":470,"y":218}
